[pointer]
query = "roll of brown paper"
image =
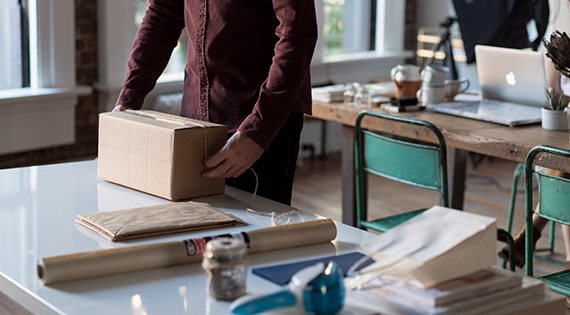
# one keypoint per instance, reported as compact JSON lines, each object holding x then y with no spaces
{"x":140,"y":257}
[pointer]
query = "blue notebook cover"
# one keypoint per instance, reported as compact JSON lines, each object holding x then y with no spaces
{"x":282,"y":274}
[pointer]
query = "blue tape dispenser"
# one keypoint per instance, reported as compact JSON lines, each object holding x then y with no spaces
{"x":317,"y":289}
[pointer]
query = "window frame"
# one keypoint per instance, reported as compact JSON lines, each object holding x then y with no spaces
{"x":43,"y":115}
{"x":14,"y":41}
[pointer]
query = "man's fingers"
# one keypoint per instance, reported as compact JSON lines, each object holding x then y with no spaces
{"x":234,"y":171}
{"x":220,"y":170}
{"x":217,"y":158}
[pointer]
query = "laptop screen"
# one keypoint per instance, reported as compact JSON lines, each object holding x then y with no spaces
{"x":511,"y":75}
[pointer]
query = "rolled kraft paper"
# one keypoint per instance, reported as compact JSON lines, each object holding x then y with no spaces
{"x":140,"y":257}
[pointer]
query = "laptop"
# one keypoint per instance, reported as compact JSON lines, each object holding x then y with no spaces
{"x":512,"y":85}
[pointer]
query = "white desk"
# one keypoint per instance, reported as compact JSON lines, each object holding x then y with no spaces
{"x":37,"y":210}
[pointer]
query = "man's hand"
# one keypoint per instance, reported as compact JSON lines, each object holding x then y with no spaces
{"x":120,"y":108}
{"x":239,"y":153}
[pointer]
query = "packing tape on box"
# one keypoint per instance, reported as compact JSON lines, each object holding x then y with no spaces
{"x":173,"y":120}
{"x":141,"y":257}
{"x":166,"y":118}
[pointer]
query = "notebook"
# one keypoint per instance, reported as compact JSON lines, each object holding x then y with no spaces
{"x":282,"y":274}
{"x":512,"y":85}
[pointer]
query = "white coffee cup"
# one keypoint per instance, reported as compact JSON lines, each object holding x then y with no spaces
{"x":454,"y":87}
{"x":430,"y":94}
{"x":434,"y":75}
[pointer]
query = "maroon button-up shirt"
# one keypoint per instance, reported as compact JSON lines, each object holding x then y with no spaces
{"x":248,"y":60}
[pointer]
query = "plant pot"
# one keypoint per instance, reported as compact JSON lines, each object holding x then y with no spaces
{"x":554,"y":120}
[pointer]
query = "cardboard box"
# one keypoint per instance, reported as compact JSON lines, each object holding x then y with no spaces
{"x":158,"y":153}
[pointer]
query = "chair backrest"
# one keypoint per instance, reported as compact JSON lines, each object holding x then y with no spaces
{"x":553,"y":196}
{"x":553,"y":191}
{"x":405,"y":161}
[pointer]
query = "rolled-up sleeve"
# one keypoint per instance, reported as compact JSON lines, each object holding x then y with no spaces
{"x":156,"y":38}
{"x":297,"y":33}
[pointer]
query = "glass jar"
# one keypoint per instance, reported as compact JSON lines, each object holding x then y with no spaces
{"x":224,"y":261}
{"x":362,"y":98}
{"x":348,"y":94}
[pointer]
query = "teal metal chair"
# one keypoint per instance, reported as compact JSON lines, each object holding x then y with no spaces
{"x":405,"y":161}
{"x":518,"y":175}
{"x":554,"y":200}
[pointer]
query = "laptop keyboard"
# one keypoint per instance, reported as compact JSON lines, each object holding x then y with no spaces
{"x":504,"y":113}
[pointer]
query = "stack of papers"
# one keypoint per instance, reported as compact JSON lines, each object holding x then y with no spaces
{"x":329,"y":94}
{"x":334,"y":93}
{"x":478,"y":293}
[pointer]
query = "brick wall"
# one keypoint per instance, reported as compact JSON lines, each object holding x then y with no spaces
{"x":411,"y":25}
{"x":85,"y":146}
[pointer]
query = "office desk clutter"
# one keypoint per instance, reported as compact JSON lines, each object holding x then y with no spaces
{"x":439,"y":262}
{"x":554,"y":111}
{"x":432,"y":84}
{"x":158,"y":153}
{"x":355,"y":93}
{"x":407,"y":80}
{"x":103,"y":262}
{"x":455,"y":87}
{"x":144,"y":222}
{"x":225,"y":263}
{"x":433,"y":247}
{"x":485,"y":292}
{"x":316,"y":289}
{"x":328,"y":93}
{"x":512,"y":85}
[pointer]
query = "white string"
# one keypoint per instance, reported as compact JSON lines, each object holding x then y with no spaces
{"x":276,"y":217}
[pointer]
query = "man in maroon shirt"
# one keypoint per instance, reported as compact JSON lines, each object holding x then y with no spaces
{"x":248,"y":68}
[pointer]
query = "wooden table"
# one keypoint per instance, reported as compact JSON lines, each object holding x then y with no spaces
{"x":461,"y":135}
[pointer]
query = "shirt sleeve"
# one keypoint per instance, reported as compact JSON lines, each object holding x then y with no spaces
{"x":297,"y":33}
{"x":157,"y":36}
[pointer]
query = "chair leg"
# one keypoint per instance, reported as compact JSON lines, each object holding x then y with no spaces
{"x":552,"y":236}
{"x":505,"y":237}
{"x":517,"y":175}
{"x":550,"y":249}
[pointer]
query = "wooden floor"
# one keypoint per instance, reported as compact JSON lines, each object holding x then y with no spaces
{"x":317,"y":189}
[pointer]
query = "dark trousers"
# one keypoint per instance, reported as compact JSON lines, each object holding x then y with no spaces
{"x":276,"y":167}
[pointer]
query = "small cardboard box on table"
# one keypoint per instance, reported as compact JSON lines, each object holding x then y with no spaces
{"x":158,"y":153}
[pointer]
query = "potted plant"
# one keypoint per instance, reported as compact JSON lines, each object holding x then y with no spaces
{"x":553,"y":112}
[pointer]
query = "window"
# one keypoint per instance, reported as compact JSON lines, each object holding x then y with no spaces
{"x":348,"y":26}
{"x":38,"y":92}
{"x":13,"y":45}
{"x":363,"y":39}
{"x":178,"y":58}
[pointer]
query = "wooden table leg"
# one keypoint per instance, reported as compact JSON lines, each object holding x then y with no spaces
{"x":348,"y":193}
{"x":323,"y":155}
{"x":457,"y":164}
